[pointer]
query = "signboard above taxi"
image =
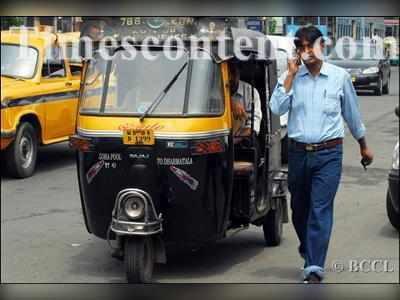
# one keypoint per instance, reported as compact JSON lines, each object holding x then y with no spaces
{"x":161,"y":28}
{"x":158,"y":27}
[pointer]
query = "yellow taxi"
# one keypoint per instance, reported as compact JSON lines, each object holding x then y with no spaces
{"x":39,"y":94}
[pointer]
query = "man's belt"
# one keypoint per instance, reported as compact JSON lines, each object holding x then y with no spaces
{"x":317,"y":146}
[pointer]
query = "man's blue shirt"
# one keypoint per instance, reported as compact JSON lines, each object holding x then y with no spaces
{"x":317,"y":106}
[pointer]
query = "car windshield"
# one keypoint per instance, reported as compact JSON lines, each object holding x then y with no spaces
{"x":129,"y":86}
{"x":356,"y":52}
{"x":18,"y":61}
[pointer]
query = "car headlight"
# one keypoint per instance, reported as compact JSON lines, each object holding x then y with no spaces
{"x":134,"y":207}
{"x":371,"y":70}
{"x":395,"y":161}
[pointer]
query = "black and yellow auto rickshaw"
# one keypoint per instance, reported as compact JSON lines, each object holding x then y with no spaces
{"x":156,"y":160}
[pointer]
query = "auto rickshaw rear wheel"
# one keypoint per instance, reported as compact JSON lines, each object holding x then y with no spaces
{"x":273,"y":225}
{"x":139,"y":259}
{"x":21,"y":154}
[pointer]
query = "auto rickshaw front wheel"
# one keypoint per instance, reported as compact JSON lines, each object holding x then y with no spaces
{"x":139,"y":259}
{"x":273,"y":225}
{"x":21,"y":154}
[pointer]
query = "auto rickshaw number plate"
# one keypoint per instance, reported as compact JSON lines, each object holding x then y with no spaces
{"x":138,"y":137}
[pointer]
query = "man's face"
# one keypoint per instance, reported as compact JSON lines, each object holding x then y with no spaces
{"x":309,"y":53}
{"x":95,"y":32}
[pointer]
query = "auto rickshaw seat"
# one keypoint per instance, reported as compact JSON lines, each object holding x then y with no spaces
{"x":243,"y":189}
{"x":243,"y":167}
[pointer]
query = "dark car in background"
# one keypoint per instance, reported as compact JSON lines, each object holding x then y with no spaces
{"x":368,"y":67}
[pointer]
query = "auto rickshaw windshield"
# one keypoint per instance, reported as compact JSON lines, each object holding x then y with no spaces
{"x":129,"y":86}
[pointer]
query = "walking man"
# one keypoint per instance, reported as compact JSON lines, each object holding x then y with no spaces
{"x":318,"y":96}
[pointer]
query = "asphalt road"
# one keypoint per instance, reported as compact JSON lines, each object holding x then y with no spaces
{"x":44,"y":240}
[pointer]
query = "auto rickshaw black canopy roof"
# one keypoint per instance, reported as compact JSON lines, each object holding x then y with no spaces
{"x":249,"y":43}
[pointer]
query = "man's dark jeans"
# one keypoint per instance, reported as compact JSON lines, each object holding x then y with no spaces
{"x":313,"y":181}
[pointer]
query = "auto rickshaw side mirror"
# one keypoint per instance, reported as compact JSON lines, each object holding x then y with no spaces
{"x":396,"y":110}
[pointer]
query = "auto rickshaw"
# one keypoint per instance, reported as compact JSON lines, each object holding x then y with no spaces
{"x":156,"y":161}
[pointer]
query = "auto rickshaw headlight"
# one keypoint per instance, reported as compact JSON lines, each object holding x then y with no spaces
{"x":134,"y":207}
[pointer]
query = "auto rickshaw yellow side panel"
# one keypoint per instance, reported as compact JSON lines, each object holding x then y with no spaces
{"x":159,"y":125}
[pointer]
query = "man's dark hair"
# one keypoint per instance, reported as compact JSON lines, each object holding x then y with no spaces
{"x":309,"y":34}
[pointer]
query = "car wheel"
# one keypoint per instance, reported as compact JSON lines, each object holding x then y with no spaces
{"x":392,"y":215}
{"x":378,"y":89}
{"x":21,"y":154}
{"x":385,"y":89}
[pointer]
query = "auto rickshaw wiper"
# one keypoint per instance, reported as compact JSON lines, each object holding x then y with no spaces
{"x":161,"y":96}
